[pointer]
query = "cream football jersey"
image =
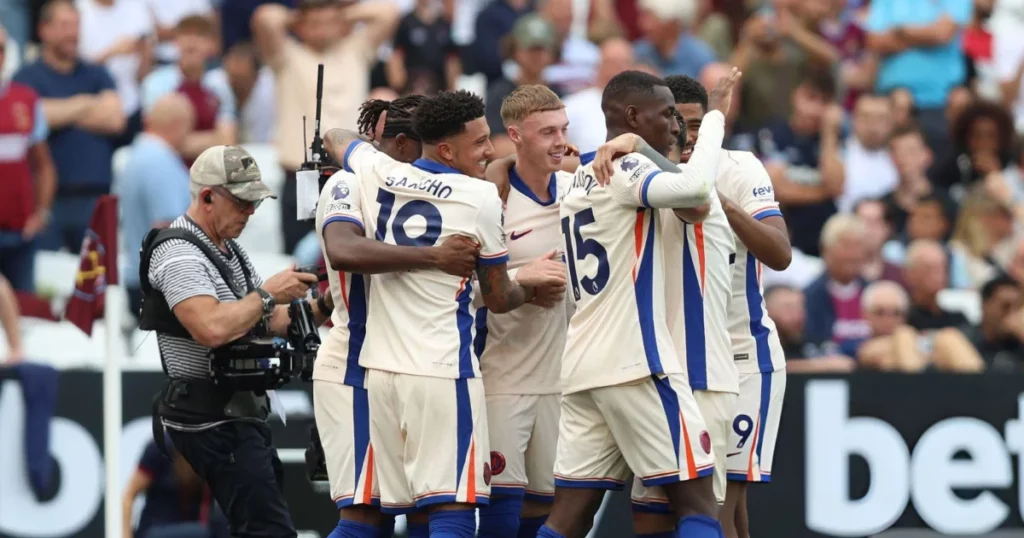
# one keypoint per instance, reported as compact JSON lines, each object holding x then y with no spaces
{"x":755,"y":342}
{"x":521,"y":351}
{"x":615,"y":257}
{"x":421,"y":322}
{"x":698,"y":285}
{"x":338,"y":358}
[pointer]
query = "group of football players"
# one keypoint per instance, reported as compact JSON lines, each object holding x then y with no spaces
{"x":516,"y":339}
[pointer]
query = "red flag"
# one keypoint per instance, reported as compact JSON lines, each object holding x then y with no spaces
{"x":97,"y":268}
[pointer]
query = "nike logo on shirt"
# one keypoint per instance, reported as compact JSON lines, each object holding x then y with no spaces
{"x":517,"y":235}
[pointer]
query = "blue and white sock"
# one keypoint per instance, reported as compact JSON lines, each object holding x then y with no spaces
{"x":453,"y":524}
{"x":548,"y":532}
{"x":699,"y":527}
{"x":530,"y":526}
{"x":500,"y":518}
{"x":352,"y":529}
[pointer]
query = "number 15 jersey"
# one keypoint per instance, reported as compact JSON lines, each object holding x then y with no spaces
{"x":422,"y":322}
{"x":615,"y":259}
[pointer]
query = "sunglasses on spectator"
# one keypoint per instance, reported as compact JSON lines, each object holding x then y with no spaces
{"x":243,"y":205}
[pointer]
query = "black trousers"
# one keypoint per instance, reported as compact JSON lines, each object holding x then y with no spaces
{"x":239,"y":462}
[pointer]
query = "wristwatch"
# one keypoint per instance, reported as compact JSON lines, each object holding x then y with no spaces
{"x":268,"y":301}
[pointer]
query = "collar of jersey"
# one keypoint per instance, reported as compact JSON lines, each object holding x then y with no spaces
{"x":517,"y":182}
{"x":434,"y":167}
{"x":586,"y":158}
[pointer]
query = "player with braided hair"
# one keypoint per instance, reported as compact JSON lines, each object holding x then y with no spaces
{"x":397,"y":137}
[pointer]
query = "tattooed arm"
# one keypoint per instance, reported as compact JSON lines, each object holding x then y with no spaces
{"x":337,"y":142}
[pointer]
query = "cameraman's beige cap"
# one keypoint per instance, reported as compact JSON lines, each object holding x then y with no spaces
{"x":232,"y":168}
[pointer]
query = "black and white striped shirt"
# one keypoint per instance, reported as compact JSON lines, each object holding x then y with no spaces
{"x":180,"y":271}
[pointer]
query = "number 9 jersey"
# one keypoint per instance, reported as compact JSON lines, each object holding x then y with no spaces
{"x":422,"y":322}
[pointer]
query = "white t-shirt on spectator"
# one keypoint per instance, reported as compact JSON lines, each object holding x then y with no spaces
{"x":102,"y":27}
{"x":1007,"y":54}
{"x":586,"y":120}
{"x":257,"y":115}
{"x":869,"y":174}
{"x":168,"y":13}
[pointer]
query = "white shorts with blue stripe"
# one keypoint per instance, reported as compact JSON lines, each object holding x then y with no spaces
{"x":756,"y":426}
{"x":650,"y":426}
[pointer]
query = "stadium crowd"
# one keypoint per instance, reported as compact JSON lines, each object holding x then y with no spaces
{"x":892,"y":142}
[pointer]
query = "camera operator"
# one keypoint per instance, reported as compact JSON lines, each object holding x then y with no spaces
{"x":221,"y":432}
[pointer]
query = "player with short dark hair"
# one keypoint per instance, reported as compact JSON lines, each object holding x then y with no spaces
{"x":761,"y":238}
{"x":626,"y":405}
{"x":429,"y":429}
{"x":397,"y":137}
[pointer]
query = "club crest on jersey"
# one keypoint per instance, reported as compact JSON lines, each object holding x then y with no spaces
{"x":497,"y":462}
{"x":340,"y":191}
{"x":705,"y":441}
{"x":628,"y":163}
{"x":487,"y":474}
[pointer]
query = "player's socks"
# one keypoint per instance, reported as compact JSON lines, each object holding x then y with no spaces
{"x":418,"y":530}
{"x":665,"y":534}
{"x":453,"y":524}
{"x":353,"y":529}
{"x":530,"y":526}
{"x":387,"y":527}
{"x":500,"y":518}
{"x":699,"y":527}
{"x":548,"y":532}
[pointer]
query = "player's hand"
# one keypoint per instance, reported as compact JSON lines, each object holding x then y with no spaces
{"x":571,"y":151}
{"x":289,"y":285}
{"x":457,"y":256}
{"x":548,"y":296}
{"x":544,"y":271}
{"x":620,"y":145}
{"x":720,"y":98}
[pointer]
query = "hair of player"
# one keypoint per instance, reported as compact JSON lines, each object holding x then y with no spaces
{"x":687,"y":91}
{"x":625,"y":87}
{"x":526,"y":100}
{"x":196,"y":25}
{"x":1002,"y":280}
{"x":50,"y":7}
{"x":400,"y":112}
{"x":445,"y":115}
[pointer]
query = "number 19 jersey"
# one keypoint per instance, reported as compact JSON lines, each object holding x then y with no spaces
{"x":422,"y":322}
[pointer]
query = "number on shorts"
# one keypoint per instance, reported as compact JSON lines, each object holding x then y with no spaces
{"x":743,"y":426}
{"x":584,"y":248}
{"x":414,"y":208}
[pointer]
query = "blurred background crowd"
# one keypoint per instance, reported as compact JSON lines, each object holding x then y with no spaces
{"x":889,"y":128}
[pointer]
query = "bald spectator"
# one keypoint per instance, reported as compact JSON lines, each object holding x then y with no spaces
{"x":668,"y":45}
{"x":586,"y":121}
{"x":834,"y":299}
{"x":786,"y":307}
{"x":343,"y":38}
{"x":84,"y":113}
{"x":926,"y":274}
{"x":153,"y":186}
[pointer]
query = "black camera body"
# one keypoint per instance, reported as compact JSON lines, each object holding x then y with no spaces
{"x":262,"y":364}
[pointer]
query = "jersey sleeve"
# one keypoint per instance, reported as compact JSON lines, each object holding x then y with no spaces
{"x":341,"y":198}
{"x":362,"y":157}
{"x":750,"y":187}
{"x":649,"y":186}
{"x":491,"y":229}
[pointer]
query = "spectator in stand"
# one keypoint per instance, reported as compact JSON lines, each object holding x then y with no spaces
{"x":1008,"y":59}
{"x":786,"y":307}
{"x":927,"y":273}
{"x":167,"y":16}
{"x":775,"y":52}
{"x":10,"y":321}
{"x":999,"y":339}
{"x":531,"y":45}
{"x":119,"y":35}
{"x":870,"y":172}
{"x":586,"y":120}
{"x":177,"y":502}
{"x":803,"y":159}
{"x":856,"y":65}
{"x":343,"y":38}
{"x":902,"y":109}
{"x":576,"y":57}
{"x":983,"y":226}
{"x":235,"y":18}
{"x":977,"y":48}
{"x":877,"y":231}
{"x":424,"y":54}
{"x":30,"y":181}
{"x":833,"y":301}
{"x":493,"y":23}
{"x":931,"y":219}
{"x":213,"y":103}
{"x":1015,"y":265}
{"x":982,"y":149}
{"x":15,"y":16}
{"x":912,"y":159}
{"x":668,"y":44}
{"x":919,"y":42}
{"x":153,"y":185}
{"x":83,"y":112}
{"x":713,"y":27}
{"x":252,"y":86}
